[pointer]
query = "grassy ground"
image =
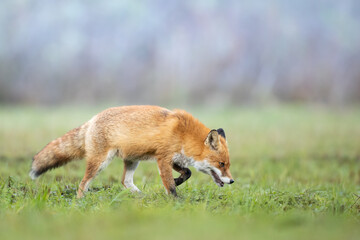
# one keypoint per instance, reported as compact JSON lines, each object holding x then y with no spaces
{"x":296,"y":170}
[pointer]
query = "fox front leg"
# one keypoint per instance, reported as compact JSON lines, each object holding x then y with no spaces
{"x":185,"y":174}
{"x":165,"y":169}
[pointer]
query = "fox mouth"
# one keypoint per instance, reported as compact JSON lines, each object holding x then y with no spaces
{"x":216,"y":178}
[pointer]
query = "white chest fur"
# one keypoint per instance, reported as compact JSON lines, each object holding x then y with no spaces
{"x":182,"y":160}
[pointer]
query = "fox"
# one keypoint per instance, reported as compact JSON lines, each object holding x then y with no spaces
{"x":173,"y":138}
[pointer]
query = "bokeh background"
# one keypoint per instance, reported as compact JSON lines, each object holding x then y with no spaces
{"x":180,"y":52}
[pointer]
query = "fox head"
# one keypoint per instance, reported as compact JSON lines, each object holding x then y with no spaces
{"x":215,"y":158}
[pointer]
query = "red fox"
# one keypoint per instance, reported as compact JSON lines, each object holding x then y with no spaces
{"x":175,"y":139}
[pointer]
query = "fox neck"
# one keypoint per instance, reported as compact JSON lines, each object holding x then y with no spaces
{"x":182,"y":160}
{"x":185,"y":160}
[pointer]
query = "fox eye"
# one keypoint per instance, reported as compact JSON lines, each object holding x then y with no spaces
{"x":221,"y":164}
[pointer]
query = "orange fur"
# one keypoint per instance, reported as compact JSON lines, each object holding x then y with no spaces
{"x":135,"y":133}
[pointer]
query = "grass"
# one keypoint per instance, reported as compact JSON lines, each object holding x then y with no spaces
{"x":296,"y":170}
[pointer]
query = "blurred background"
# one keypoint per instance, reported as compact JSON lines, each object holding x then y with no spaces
{"x":180,"y":52}
{"x":282,"y":77}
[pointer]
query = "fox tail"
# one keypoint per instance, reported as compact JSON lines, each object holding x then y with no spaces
{"x":60,"y":151}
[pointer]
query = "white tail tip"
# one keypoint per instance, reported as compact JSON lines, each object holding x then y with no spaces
{"x":33,"y":175}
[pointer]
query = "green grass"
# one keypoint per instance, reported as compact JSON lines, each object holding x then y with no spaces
{"x":296,"y":170}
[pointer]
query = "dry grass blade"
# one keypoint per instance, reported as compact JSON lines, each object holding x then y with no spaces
{"x":357,"y":199}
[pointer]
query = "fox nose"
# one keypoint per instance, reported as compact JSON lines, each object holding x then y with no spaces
{"x":231,"y":181}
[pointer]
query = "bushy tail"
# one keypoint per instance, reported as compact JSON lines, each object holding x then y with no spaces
{"x":60,"y":151}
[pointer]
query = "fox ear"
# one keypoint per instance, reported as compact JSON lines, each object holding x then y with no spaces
{"x":221,"y":132}
{"x":213,"y":140}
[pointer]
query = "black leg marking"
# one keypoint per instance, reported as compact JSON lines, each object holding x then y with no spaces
{"x":173,"y":191}
{"x":178,"y":181}
{"x":185,"y":175}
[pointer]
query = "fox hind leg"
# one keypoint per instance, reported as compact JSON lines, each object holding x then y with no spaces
{"x":93,"y":168}
{"x":128,"y":175}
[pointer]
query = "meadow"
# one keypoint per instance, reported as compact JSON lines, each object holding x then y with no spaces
{"x":296,"y":171}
